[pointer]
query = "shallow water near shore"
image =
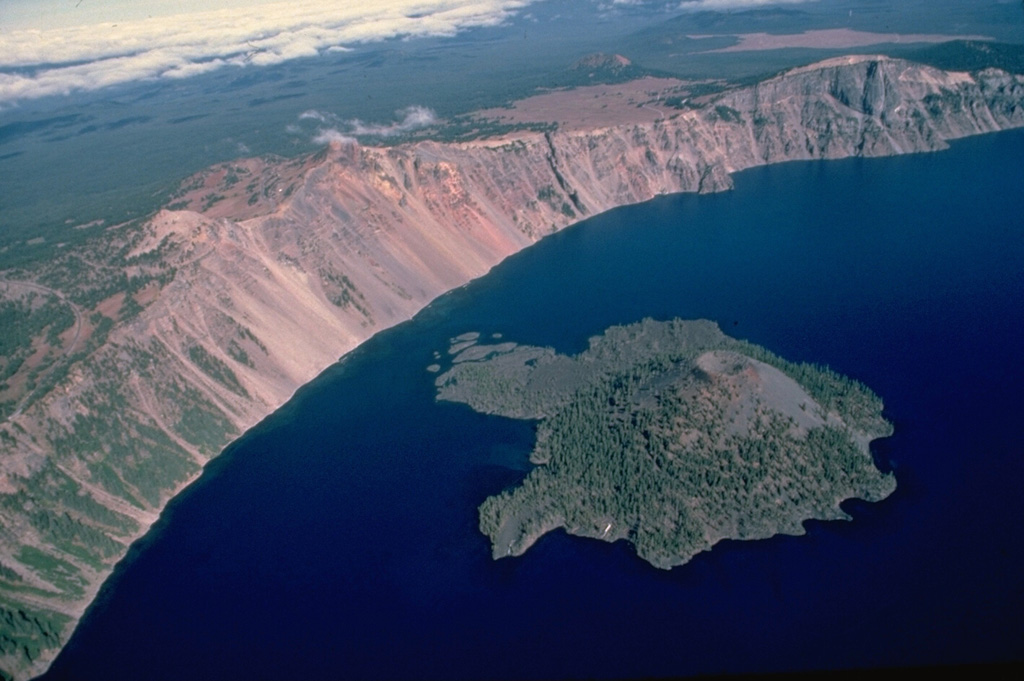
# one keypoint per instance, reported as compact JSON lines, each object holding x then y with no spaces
{"x":338,"y":539}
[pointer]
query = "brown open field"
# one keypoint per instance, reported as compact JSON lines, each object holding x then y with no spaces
{"x":596,"y":106}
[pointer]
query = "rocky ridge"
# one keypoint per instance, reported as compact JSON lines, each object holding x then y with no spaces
{"x":256,"y":297}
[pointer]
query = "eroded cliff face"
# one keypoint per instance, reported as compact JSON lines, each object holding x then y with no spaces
{"x":293,"y":265}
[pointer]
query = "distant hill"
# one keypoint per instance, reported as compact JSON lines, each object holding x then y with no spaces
{"x":606,"y":68}
{"x":972,"y":55}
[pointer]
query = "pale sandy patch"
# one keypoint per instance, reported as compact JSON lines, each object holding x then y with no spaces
{"x":596,"y":106}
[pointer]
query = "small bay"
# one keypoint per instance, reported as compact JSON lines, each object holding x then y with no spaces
{"x":338,"y":539}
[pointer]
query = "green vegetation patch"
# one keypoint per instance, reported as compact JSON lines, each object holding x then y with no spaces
{"x":728,"y":114}
{"x":9,"y":574}
{"x":200,"y":423}
{"x":340,"y":290}
{"x":30,"y":325}
{"x":673,"y":436}
{"x":56,"y":571}
{"x":25,"y":632}
{"x":125,"y":451}
{"x":216,"y":369}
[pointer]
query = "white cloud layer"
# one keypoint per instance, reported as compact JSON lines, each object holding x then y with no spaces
{"x":38,"y":63}
{"x":341,"y":132}
{"x":332,"y":136}
{"x":413,"y":118}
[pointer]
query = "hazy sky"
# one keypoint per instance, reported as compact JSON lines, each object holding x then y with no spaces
{"x":180,"y":40}
{"x":57,"y":47}
{"x":47,"y":14}
{"x":44,"y":14}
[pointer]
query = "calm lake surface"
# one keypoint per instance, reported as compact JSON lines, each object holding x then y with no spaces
{"x":338,"y":539}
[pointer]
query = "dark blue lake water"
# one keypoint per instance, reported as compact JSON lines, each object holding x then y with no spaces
{"x":338,"y":539}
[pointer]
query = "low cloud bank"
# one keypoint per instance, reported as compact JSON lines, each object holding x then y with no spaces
{"x":38,"y":63}
{"x":333,"y":130}
{"x":413,"y":118}
{"x":332,"y":136}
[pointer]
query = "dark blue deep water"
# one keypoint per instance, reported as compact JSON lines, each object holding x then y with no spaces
{"x":338,"y":539}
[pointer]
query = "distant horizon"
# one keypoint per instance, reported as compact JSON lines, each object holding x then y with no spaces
{"x":59,"y":55}
{"x":59,"y":47}
{"x":53,"y":14}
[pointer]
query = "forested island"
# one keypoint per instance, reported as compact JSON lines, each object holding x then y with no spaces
{"x":671,"y":435}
